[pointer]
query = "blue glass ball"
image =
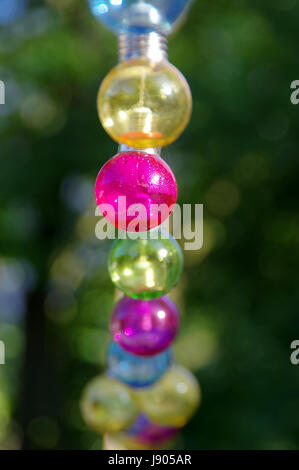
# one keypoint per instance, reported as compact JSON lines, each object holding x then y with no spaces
{"x":139,"y":16}
{"x":136,"y":371}
{"x":10,"y":10}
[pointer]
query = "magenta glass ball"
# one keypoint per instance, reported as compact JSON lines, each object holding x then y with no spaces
{"x":131,"y":186}
{"x":150,"y":434}
{"x":144,"y":327}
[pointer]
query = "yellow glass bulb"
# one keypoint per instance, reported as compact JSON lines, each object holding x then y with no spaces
{"x":107,"y":405}
{"x":172,"y":400}
{"x":144,"y":104}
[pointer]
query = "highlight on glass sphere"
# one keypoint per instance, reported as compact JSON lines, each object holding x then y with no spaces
{"x":172,"y":400}
{"x":144,"y":434}
{"x":108,"y":405}
{"x":139,"y":16}
{"x":144,"y":104}
{"x":144,"y":327}
{"x":136,"y":191}
{"x":145,"y":269}
{"x":136,"y":371}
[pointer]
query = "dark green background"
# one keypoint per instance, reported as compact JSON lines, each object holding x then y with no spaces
{"x":239,"y":157}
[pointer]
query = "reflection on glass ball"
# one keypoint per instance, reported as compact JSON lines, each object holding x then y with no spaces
{"x":108,"y":405}
{"x":144,"y":327}
{"x":136,"y":371}
{"x":131,"y":188}
{"x":144,"y":104}
{"x":145,"y":269}
{"x":137,"y":16}
{"x":173,"y":399}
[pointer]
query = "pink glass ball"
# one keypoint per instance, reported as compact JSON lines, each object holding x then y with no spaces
{"x":140,"y":179}
{"x":144,"y":327}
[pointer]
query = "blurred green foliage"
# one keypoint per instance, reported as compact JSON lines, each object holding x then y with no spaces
{"x":239,"y":157}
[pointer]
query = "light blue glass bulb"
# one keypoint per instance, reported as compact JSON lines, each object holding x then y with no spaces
{"x":139,"y":16}
{"x":136,"y":371}
{"x":11,"y":10}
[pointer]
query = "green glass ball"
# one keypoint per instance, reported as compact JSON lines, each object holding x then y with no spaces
{"x":145,"y":269}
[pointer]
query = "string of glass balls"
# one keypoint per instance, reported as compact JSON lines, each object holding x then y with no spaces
{"x":144,"y":104}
